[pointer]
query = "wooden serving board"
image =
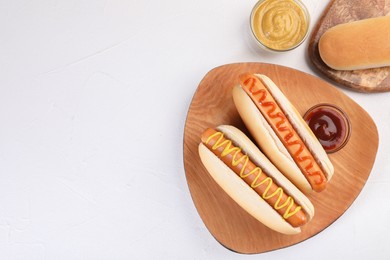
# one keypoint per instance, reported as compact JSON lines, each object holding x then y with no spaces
{"x":343,"y":11}
{"x":213,"y":105}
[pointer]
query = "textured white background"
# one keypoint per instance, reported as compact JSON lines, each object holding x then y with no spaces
{"x":93,"y":101}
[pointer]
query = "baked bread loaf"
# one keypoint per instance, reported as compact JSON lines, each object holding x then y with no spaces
{"x":357,"y":45}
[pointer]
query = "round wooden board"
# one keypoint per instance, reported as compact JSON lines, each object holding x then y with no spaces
{"x":343,"y":11}
{"x":213,"y":105}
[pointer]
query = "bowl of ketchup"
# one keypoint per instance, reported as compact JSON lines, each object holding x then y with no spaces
{"x":330,"y":125}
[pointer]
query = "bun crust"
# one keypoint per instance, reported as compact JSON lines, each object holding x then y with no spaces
{"x":356,"y":45}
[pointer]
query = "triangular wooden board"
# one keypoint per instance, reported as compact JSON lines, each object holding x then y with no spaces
{"x":213,"y":105}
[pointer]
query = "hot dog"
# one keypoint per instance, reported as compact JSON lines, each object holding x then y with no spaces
{"x":281,"y":133}
{"x":251,"y":180}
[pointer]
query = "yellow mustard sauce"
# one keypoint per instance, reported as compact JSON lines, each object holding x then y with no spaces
{"x":279,"y":24}
{"x":230,"y":148}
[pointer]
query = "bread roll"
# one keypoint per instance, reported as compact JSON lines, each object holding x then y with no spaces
{"x":357,"y":45}
{"x":295,"y":138}
{"x":245,"y":195}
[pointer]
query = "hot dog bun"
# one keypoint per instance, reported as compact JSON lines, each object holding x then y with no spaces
{"x":284,"y":123}
{"x":219,"y":162}
{"x":357,"y":45}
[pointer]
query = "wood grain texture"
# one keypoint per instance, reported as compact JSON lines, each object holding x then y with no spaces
{"x":213,"y":105}
{"x":343,"y":11}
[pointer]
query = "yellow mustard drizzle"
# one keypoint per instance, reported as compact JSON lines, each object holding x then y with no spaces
{"x":236,"y":161}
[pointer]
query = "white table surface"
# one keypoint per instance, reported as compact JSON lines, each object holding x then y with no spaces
{"x":93,"y":101}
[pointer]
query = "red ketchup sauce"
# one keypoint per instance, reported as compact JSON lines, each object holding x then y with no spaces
{"x":330,"y":125}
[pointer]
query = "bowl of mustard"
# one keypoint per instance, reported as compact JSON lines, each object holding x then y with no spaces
{"x":279,"y":25}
